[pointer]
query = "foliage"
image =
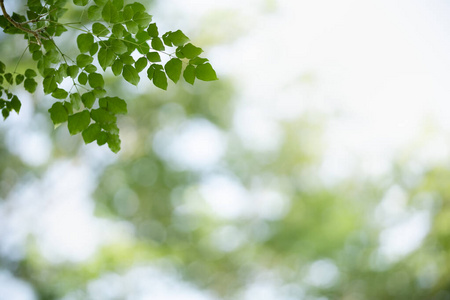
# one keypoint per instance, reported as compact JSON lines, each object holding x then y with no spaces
{"x":116,"y":36}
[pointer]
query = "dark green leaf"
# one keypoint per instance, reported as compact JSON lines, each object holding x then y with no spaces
{"x":99,"y":29}
{"x":130,"y":74}
{"x":88,"y":99}
{"x":198,"y":61}
{"x":153,"y":30}
{"x":137,"y":7}
{"x":178,"y":38}
{"x":143,"y":48}
{"x":190,"y":51}
{"x":68,"y":107}
{"x":19,"y":78}
{"x":205,"y":72}
{"x":9,"y":78}
{"x":93,"y":49}
{"x":106,"y":57}
{"x":78,"y":122}
{"x":114,"y":105}
{"x":30,"y":85}
{"x":49,"y":84}
{"x":102,"y":138}
{"x":85,"y":42}
{"x":91,"y":133}
{"x":153,"y":57}
{"x":82,"y":78}
{"x":2,"y":67}
{"x":128,"y":12}
{"x":142,"y":36}
{"x":60,"y":93}
{"x":100,"y":2}
{"x":157,"y":44}
{"x":140,"y":64}
{"x":80,"y":2}
{"x":101,"y":115}
{"x":166,"y":39}
{"x":127,"y":59}
{"x":30,"y":73}
{"x":189,"y":74}
{"x":15,"y":103}
{"x":5,"y":113}
{"x":173,"y":69}
{"x":117,"y":67}
{"x":118,"y":4}
{"x":96,"y":80}
{"x":160,"y":79}
{"x":58,"y":113}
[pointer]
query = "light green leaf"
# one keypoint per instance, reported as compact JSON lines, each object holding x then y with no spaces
{"x":132,"y":27}
{"x":75,"y":99}
{"x":142,"y":18}
{"x":130,"y":74}
{"x":205,"y":72}
{"x":189,"y":74}
{"x":117,"y":30}
{"x":78,"y":122}
{"x":118,"y":46}
{"x":114,"y":142}
{"x":128,"y":12}
{"x":99,"y":29}
{"x":114,"y":105}
{"x":94,"y":12}
{"x":85,"y":42}
{"x":58,"y":113}
{"x":90,"y":68}
{"x":72,"y":71}
{"x":173,"y":69}
{"x":91,"y":133}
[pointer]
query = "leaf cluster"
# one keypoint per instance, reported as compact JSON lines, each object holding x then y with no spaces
{"x":121,"y":37}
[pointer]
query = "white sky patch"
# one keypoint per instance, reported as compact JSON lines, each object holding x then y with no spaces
{"x":322,"y":273}
{"x":195,"y":144}
{"x":13,"y":288}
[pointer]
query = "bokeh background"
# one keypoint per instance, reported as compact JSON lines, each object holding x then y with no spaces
{"x":317,"y":167}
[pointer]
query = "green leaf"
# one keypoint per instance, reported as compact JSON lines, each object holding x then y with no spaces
{"x":102,"y":138}
{"x":166,"y":39}
{"x":173,"y":69}
{"x":30,"y":73}
{"x":127,"y":59}
{"x":94,"y":12}
{"x":160,"y":79}
{"x":206,"y":72}
{"x":75,"y":99}
{"x":88,"y":99}
{"x":83,"y":60}
{"x":178,"y":38}
{"x":19,"y":79}
{"x":5,"y":113}
{"x":99,"y":29}
{"x":153,"y":57}
{"x":58,"y":113}
{"x":106,"y":57}
{"x":153,"y":30}
{"x":110,"y":13}
{"x":117,"y":67}
{"x":80,"y":2}
{"x":2,"y":67}
{"x":118,"y":4}
{"x":189,"y":74}
{"x":198,"y":61}
{"x":101,"y":115}
{"x":143,"y":48}
{"x":130,"y":74}
{"x":82,"y":78}
{"x":132,"y":27}
{"x":68,"y":106}
{"x":85,"y":42}
{"x":15,"y":103}
{"x":93,"y":49}
{"x":150,"y":72}
{"x":142,"y":36}
{"x":72,"y":71}
{"x":90,"y":68}
{"x":128,"y":12}
{"x":157,"y":44}
{"x":49,"y":84}
{"x":114,"y":105}
{"x":9,"y":78}
{"x":78,"y":122}
{"x":100,"y":2}
{"x":190,"y":51}
{"x":60,"y":93}
{"x":140,"y":64}
{"x":30,"y":85}
{"x":117,"y":30}
{"x":142,"y":18}
{"x":118,"y":46}
{"x":91,"y":133}
{"x":137,"y":7}
{"x":96,"y":80}
{"x":114,"y":143}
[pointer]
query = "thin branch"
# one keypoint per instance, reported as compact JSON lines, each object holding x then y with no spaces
{"x":19,"y":25}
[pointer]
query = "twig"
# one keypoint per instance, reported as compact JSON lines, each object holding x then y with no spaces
{"x":35,"y":33}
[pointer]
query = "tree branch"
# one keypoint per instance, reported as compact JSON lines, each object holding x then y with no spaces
{"x":35,"y":33}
